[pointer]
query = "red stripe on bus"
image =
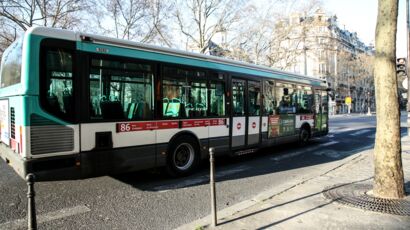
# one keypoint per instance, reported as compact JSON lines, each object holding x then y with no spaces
{"x":155,"y":125}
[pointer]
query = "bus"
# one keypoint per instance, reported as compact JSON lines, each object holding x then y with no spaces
{"x":75,"y":105}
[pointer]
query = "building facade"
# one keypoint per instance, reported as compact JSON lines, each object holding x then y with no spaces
{"x":322,"y":49}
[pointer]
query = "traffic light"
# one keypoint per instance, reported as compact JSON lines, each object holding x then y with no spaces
{"x":401,"y":66}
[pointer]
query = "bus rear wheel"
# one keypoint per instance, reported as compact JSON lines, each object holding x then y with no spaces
{"x":183,"y":156}
{"x":304,"y":135}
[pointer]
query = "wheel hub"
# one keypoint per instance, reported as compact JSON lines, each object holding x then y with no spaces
{"x":184,"y":156}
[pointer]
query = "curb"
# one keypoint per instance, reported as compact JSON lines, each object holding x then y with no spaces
{"x":205,"y":222}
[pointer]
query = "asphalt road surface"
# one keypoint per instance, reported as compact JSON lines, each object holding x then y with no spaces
{"x":151,"y":200}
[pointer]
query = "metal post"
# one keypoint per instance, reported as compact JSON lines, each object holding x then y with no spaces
{"x":408,"y":66}
{"x":212,"y":182}
{"x":31,"y":209}
{"x":368,"y":104}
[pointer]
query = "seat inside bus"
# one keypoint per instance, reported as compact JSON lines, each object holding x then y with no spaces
{"x":111,"y":110}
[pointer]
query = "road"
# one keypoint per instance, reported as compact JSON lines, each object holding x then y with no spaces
{"x":151,"y":200}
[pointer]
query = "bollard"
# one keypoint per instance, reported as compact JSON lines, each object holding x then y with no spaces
{"x":31,"y":212}
{"x":212,"y":183}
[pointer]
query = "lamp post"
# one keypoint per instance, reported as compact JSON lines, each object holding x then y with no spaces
{"x":408,"y":66}
{"x":368,"y":104}
{"x":348,"y":91}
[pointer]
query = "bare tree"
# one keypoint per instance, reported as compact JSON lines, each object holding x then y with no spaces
{"x":17,"y":16}
{"x":269,"y":36}
{"x":200,"y":20}
{"x":138,"y":20}
{"x":251,"y":40}
{"x":8,"y":34}
{"x":388,"y":177}
{"x":51,"y":13}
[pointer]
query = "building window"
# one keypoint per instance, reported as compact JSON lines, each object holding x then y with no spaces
{"x":322,"y":68}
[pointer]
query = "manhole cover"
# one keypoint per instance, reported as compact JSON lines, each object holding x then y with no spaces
{"x":355,"y":195}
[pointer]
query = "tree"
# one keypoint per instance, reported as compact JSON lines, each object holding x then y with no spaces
{"x":200,"y":20}
{"x":8,"y":34}
{"x":51,"y":13}
{"x":388,"y":177}
{"x":16,"y":16}
{"x":138,"y":20}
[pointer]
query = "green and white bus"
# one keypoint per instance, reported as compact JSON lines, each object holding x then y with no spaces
{"x":75,"y":105}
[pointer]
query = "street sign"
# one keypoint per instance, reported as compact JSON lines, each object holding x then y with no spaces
{"x":405,"y":83}
{"x":348,"y":100}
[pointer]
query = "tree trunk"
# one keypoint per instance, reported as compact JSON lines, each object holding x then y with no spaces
{"x":388,"y":177}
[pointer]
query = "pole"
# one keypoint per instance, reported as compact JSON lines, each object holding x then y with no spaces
{"x":408,"y":66}
{"x":31,"y":208}
{"x":368,"y":104}
{"x":212,"y":182}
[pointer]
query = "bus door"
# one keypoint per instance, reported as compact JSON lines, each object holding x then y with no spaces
{"x":325,"y":110}
{"x":321,"y":113}
{"x":253,"y":113}
{"x":245,"y":121}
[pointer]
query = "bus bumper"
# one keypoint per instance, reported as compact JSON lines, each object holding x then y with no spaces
{"x":44,"y":169}
{"x":13,"y":160}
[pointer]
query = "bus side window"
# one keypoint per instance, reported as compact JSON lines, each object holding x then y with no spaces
{"x":217,"y":98}
{"x":185,"y":93}
{"x":57,"y":86}
{"x":269,"y":102}
{"x":304,"y":99}
{"x":120,"y":90}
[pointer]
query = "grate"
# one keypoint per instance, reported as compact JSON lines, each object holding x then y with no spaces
{"x":12,"y":123}
{"x":355,"y":195}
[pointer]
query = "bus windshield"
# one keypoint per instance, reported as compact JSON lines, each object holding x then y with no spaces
{"x":11,"y":64}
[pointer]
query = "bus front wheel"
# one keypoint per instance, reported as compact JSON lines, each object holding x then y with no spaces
{"x":183,"y":156}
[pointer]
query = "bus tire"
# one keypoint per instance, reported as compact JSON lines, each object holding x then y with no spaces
{"x":183,"y":156}
{"x":304,"y":135}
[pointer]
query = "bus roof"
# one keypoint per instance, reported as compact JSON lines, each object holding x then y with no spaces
{"x":97,"y":39}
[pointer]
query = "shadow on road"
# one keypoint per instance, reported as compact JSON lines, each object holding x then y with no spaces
{"x":266,"y":161}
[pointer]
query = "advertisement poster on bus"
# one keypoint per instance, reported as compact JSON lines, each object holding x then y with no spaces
{"x":320,"y":122}
{"x":281,"y":125}
{"x":4,"y":121}
{"x":273,"y":128}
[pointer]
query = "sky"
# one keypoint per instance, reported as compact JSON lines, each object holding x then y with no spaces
{"x":361,"y":15}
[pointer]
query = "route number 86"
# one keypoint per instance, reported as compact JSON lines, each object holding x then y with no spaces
{"x":125,"y":127}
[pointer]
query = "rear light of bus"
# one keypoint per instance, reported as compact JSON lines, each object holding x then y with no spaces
{"x":16,"y":143}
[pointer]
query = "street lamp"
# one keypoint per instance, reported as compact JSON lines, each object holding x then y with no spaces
{"x":368,"y":104}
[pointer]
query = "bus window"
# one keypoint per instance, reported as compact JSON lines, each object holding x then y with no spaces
{"x":11,"y":67}
{"x":269,"y":102}
{"x":58,"y":89}
{"x":174,"y":94}
{"x":185,"y":93}
{"x":238,"y":98}
{"x":325,"y":102}
{"x":286,"y":97}
{"x":304,"y":99}
{"x":120,"y":90}
{"x":254,"y":99}
{"x":217,"y":96}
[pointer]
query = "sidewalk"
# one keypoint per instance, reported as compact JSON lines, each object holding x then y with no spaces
{"x":303,"y":205}
{"x":352,"y":115}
